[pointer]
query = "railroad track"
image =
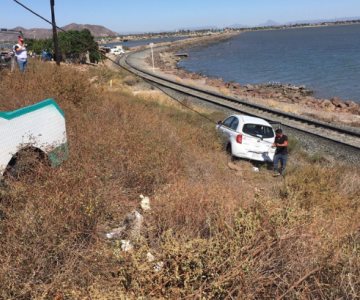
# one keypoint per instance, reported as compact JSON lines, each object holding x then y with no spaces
{"x":338,"y":134}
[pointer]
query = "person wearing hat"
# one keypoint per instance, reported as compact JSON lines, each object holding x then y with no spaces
{"x":21,"y":54}
{"x":281,"y":153}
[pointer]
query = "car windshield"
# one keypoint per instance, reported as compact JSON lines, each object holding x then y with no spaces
{"x":258,"y":130}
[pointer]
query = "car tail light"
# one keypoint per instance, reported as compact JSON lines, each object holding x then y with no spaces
{"x":239,"y":139}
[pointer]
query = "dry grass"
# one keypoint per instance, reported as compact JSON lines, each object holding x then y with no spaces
{"x":220,"y":234}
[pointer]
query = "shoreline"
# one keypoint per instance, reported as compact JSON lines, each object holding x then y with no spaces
{"x":138,"y":37}
{"x":287,"y":97}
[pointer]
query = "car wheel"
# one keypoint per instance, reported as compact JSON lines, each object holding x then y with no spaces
{"x":229,"y":151}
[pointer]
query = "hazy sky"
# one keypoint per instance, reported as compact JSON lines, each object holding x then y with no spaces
{"x":161,"y":15}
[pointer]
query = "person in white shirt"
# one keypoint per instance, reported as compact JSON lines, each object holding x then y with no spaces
{"x":21,"y":54}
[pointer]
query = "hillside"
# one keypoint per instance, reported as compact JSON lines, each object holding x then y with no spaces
{"x":42,"y":33}
{"x":216,"y":230}
{"x":96,"y":30}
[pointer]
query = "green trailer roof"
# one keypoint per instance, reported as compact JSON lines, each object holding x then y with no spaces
{"x":25,"y":110}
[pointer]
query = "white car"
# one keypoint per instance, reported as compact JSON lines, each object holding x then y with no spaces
{"x":117,"y":50}
{"x":248,"y":137}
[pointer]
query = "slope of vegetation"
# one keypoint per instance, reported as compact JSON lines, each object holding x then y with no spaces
{"x":215,"y":233}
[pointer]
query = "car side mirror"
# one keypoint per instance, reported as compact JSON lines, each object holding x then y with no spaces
{"x":219,"y":122}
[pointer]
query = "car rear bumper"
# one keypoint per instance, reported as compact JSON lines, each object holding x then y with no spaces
{"x":258,"y":156}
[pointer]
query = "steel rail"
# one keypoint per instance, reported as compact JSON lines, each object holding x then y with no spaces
{"x":343,"y":135}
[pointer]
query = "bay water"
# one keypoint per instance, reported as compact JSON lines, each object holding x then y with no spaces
{"x":324,"y":59}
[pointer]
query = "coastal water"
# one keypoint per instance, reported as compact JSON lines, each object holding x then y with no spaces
{"x":326,"y":59}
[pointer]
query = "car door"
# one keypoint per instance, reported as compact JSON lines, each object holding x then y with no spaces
{"x":232,"y":130}
{"x":224,"y":129}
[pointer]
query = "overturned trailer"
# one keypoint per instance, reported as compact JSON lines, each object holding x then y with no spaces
{"x":38,"y":128}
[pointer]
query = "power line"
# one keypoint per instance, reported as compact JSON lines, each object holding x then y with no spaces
{"x":115,"y":62}
{"x":61,"y":29}
{"x":185,"y":105}
{"x":36,"y":14}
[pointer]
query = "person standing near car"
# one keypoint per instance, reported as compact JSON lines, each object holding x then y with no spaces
{"x":21,"y":54}
{"x":281,"y":153}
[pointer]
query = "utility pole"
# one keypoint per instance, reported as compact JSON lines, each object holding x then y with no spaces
{"x":152,"y":56}
{"x":55,"y":36}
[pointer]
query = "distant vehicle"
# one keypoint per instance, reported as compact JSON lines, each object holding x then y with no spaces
{"x":39,"y":128}
{"x":5,"y":59}
{"x":117,"y":50}
{"x":247,"y":137}
{"x":105,"y":49}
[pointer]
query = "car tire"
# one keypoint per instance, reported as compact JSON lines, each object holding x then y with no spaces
{"x":229,"y":151}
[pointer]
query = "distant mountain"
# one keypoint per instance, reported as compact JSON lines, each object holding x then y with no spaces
{"x":345,"y":19}
{"x":238,"y":26}
{"x":39,"y":33}
{"x":269,"y":23}
{"x":96,"y":30}
{"x":197,"y":28}
{"x":42,"y":33}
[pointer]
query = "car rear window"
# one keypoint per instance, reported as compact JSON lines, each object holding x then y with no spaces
{"x":261,"y":131}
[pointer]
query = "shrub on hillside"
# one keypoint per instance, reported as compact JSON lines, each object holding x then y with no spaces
{"x":42,"y":81}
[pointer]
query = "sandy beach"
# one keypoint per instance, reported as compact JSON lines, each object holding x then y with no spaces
{"x":286,"y":97}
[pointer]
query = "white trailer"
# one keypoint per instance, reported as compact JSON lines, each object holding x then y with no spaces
{"x":39,"y":127}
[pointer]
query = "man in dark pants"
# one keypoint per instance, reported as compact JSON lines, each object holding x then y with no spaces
{"x":281,"y":153}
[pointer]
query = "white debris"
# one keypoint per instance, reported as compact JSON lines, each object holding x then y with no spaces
{"x":255,"y":169}
{"x":134,"y":221}
{"x":126,"y":245}
{"x":130,"y":227}
{"x":158,"y":266}
{"x":145,"y":203}
{"x":115,"y":233}
{"x":150,"y":257}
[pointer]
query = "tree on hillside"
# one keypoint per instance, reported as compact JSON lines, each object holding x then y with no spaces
{"x":75,"y":44}
{"x":37,"y":46}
